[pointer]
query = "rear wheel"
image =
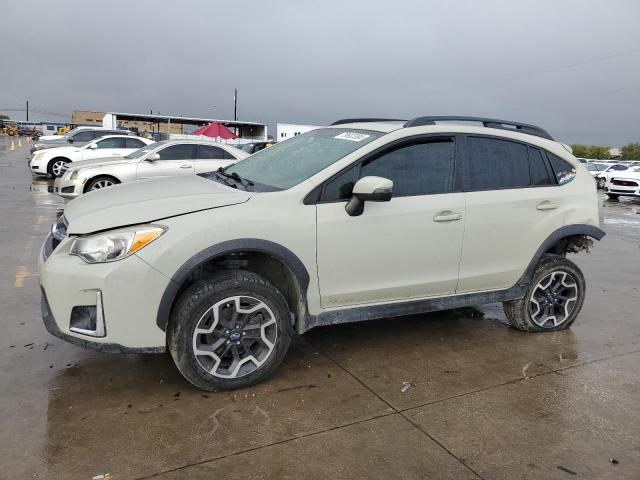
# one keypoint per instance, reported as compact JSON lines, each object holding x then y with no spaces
{"x":99,"y":183}
{"x":553,"y":300}
{"x":229,"y":331}
{"x":56,"y":165}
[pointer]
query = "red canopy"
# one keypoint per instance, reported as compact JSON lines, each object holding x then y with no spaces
{"x":215,"y":129}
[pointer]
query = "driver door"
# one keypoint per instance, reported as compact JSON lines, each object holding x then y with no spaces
{"x":406,"y":248}
{"x":175,"y":160}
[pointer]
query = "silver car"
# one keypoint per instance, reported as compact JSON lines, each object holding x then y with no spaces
{"x":162,"y":159}
{"x":77,"y":137}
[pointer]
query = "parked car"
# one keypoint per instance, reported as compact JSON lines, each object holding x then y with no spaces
{"x":161,"y":159}
{"x":254,"y":147}
{"x":52,"y":160}
{"x":355,"y":221}
{"x":595,"y":168}
{"x":28,"y":131}
{"x":603,"y":177}
{"x":77,"y":137}
{"x":624,"y":184}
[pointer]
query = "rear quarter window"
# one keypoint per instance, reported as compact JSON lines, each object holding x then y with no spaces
{"x":562,"y":169}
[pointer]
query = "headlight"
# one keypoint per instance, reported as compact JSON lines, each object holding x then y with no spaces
{"x":73,"y":175}
{"x":116,"y":244}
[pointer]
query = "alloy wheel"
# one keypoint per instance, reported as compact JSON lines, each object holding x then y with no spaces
{"x":102,"y":184}
{"x":56,"y":168}
{"x":235,"y":337}
{"x":553,"y":299}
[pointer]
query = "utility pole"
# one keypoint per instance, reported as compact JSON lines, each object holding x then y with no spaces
{"x":235,"y":104}
{"x":27,"y":110}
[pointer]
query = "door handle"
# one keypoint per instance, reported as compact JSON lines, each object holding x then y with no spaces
{"x":447,"y":217}
{"x":185,"y":166}
{"x":547,"y":206}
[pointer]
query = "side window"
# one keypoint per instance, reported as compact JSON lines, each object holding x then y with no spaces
{"x":134,"y":143}
{"x":495,"y":164}
{"x":538,"y":169}
{"x":416,"y":169}
{"x":227,"y":156}
{"x":84,"y":136}
{"x":341,"y":187}
{"x":177,"y":152}
{"x":563,"y":170}
{"x":111,"y":143}
{"x":209,"y":152}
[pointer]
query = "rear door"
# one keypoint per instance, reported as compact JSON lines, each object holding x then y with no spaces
{"x":175,"y":160}
{"x":211,"y":157}
{"x":406,"y":248}
{"x":514,"y":202}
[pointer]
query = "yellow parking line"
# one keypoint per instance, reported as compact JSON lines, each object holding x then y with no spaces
{"x":21,"y":274}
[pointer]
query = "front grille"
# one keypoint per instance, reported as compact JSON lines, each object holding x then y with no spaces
{"x":624,"y":183}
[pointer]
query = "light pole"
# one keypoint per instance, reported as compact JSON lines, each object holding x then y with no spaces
{"x":214,"y":111}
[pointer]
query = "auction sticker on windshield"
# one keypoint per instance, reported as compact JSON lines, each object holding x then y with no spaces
{"x":352,"y":136}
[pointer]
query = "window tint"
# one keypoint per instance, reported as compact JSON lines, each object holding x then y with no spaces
{"x":563,"y":169}
{"x":134,"y":143}
{"x":537,"y":168}
{"x":111,"y":143}
{"x":494,"y":164}
{"x":177,"y":152}
{"x":341,"y":187}
{"x":619,"y":167}
{"x":209,"y":152}
{"x":227,"y":156}
{"x":416,"y":169}
{"x":83,"y":136}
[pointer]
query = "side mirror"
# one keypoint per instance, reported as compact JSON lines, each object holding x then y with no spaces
{"x":153,"y":157}
{"x":369,"y":189}
{"x":93,"y":146}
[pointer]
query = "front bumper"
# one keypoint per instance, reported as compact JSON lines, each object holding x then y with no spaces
{"x":67,"y":188}
{"x":129,"y":291}
{"x":625,"y":191}
{"x":37,"y":167}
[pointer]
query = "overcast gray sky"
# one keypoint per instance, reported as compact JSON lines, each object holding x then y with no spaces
{"x":571,"y":66}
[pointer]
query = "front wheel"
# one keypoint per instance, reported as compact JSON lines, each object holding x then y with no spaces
{"x":553,"y":300}
{"x":229,"y":331}
{"x":612,"y":196}
{"x":56,"y":166}
{"x":100,"y":183}
{"x":601,"y":183}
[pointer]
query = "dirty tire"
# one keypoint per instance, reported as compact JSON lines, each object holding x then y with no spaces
{"x":198,"y":299}
{"x":601,"y":182}
{"x":518,"y":312}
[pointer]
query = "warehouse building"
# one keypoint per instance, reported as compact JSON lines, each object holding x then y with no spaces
{"x":150,"y":123}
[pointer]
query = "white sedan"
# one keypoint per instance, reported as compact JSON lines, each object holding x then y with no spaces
{"x":169,"y":158}
{"x":605,"y":176}
{"x":51,"y":161}
{"x":625,"y":184}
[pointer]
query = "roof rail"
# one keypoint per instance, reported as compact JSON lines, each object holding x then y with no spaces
{"x":364,"y":120}
{"x":487,"y":122}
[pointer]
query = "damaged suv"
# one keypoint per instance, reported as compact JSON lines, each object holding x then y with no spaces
{"x":364,"y":219}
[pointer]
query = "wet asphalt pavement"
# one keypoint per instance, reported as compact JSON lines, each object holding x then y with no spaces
{"x":481,"y":400}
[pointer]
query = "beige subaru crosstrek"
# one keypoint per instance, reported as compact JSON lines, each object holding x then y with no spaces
{"x":364,"y":219}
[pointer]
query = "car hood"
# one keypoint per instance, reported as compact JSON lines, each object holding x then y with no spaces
{"x":147,"y":201}
{"x":99,"y":162}
{"x":632,"y":175}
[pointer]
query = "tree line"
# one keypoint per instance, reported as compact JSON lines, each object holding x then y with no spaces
{"x":629,"y":152}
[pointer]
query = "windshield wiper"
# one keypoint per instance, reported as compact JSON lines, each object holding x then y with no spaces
{"x":235,"y":176}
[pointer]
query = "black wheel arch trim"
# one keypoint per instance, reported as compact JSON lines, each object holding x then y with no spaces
{"x":286,"y":256}
{"x":551,"y":240}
